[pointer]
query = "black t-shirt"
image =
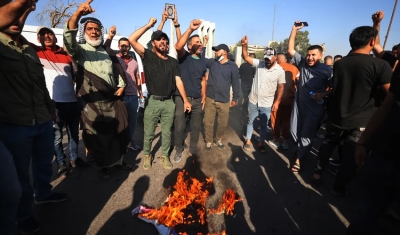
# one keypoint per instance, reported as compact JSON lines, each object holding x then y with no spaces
{"x":246,"y":73}
{"x":192,"y":71}
{"x":160,"y":74}
{"x":356,"y":78}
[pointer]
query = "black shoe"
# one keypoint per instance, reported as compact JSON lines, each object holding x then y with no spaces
{"x":219,"y":144}
{"x":28,"y":226}
{"x":78,"y":162}
{"x":178,"y":156}
{"x":54,"y":198}
{"x":62,"y":168}
{"x":208,"y":147}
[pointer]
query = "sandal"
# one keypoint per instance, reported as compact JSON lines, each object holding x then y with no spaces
{"x":296,"y":168}
{"x":247,"y":147}
{"x":262,"y":149}
{"x":105,"y":173}
{"x":126,"y":166}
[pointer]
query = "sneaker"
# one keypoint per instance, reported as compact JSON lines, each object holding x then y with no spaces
{"x":178,"y":156}
{"x":285,"y":146}
{"x":275,"y":143}
{"x":78,"y":162}
{"x":147,"y":162}
{"x":334,"y":162}
{"x":28,"y":226}
{"x":166,"y":162}
{"x":62,"y":168}
{"x":219,"y":144}
{"x":54,"y":198}
{"x":208,"y":147}
{"x":134,"y":147}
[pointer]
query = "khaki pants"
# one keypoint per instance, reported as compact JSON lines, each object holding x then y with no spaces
{"x":211,"y":109}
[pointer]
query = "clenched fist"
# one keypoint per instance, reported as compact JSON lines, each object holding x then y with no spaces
{"x":377,"y":17}
{"x":152,"y":22}
{"x":112,"y":31}
{"x":244,"y":41}
{"x":195,"y":24}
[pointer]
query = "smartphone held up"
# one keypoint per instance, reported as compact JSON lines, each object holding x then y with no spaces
{"x":305,"y":24}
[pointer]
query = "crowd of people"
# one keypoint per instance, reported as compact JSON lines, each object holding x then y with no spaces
{"x":87,"y":85}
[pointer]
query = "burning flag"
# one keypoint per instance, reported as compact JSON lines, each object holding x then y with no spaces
{"x":186,"y":206}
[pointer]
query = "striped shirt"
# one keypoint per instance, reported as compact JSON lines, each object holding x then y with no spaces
{"x":265,"y":83}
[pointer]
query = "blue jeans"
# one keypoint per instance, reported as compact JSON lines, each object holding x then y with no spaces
{"x":254,"y":112}
{"x":28,"y":145}
{"x":132,"y":106}
{"x":68,"y":116}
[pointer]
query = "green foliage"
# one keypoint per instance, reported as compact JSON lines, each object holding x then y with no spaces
{"x":301,"y":44}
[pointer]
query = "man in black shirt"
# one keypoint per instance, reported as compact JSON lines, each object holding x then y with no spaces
{"x":162,"y":78}
{"x":353,"y":102}
{"x":193,"y":70}
{"x":246,"y":73}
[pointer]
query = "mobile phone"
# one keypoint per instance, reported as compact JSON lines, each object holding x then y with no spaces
{"x":299,"y":24}
{"x":170,"y":8}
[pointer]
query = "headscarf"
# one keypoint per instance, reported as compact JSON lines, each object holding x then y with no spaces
{"x":81,"y":31}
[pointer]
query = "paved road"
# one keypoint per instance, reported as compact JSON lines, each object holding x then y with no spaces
{"x":275,"y":201}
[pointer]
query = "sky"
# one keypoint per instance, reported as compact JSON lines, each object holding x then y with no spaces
{"x":330,"y":21}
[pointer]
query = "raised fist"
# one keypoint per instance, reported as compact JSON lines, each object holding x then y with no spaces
{"x":244,"y":41}
{"x":195,"y":24}
{"x":85,"y":8}
{"x":205,"y":40}
{"x":377,"y":17}
{"x":112,"y":31}
{"x":152,"y":22}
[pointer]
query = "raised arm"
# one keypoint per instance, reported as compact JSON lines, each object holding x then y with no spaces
{"x":245,"y":54}
{"x":376,"y":19}
{"x":111,"y":34}
{"x":179,"y":46}
{"x":28,"y":11}
{"x":83,"y":9}
{"x":11,"y":11}
{"x":292,"y":39}
{"x":133,"y":39}
{"x":177,"y":25}
{"x":164,"y":18}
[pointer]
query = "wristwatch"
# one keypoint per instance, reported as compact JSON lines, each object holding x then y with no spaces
{"x":177,"y":26}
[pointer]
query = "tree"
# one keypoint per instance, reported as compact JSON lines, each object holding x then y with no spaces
{"x":301,"y":44}
{"x":56,"y":12}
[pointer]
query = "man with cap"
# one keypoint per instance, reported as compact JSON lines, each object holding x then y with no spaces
{"x":223,"y":73}
{"x":162,"y":79}
{"x":59,"y":74}
{"x":100,"y":85}
{"x":269,"y":78}
{"x":26,"y":133}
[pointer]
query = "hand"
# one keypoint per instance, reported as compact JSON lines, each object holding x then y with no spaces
{"x":377,"y":17}
{"x":164,"y":16}
{"x":244,"y":41}
{"x":298,"y":27}
{"x":152,"y":22}
{"x":360,"y":154}
{"x":112,"y":32}
{"x":319,"y":96}
{"x":275,"y":107}
{"x":195,"y":24}
{"x":203,"y":103}
{"x":53,"y":117}
{"x":187,"y":106}
{"x":119,"y":91}
{"x":205,"y":40}
{"x":85,"y":8}
{"x":175,"y":20}
{"x":233,"y":103}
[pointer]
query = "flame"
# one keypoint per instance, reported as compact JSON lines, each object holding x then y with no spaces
{"x":190,"y":192}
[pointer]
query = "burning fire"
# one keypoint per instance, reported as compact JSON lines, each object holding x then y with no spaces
{"x":190,"y":193}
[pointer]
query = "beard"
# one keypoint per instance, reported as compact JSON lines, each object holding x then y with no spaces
{"x":93,"y":43}
{"x":13,"y":33}
{"x":161,"y":51}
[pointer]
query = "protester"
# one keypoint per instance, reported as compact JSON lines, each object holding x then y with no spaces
{"x":280,"y":119}
{"x":100,"y":85}
{"x":353,"y":102}
{"x":336,"y":58}
{"x":312,"y":88}
{"x":223,"y":73}
{"x":395,"y":50}
{"x":26,"y":133}
{"x":328,"y":61}
{"x":268,"y":80}
{"x":133,"y":89}
{"x":193,"y":69}
{"x":162,"y":79}
{"x":246,"y":73}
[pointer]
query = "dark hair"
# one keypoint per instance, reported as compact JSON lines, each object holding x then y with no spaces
{"x":252,"y":54}
{"x":122,"y":39}
{"x":395,"y":47}
{"x":361,"y":36}
{"x":315,"y":47}
{"x":189,"y":41}
{"x":327,"y":57}
{"x":337,"y":56}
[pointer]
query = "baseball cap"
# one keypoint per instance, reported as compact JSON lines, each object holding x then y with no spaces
{"x":269,"y":52}
{"x":158,"y":34}
{"x":43,"y":27}
{"x":221,"y":46}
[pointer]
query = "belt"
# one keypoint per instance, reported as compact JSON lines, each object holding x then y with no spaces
{"x":161,"y":98}
{"x":189,"y":98}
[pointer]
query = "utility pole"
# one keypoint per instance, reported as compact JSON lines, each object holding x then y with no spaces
{"x":273,"y":24}
{"x":390,"y":24}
